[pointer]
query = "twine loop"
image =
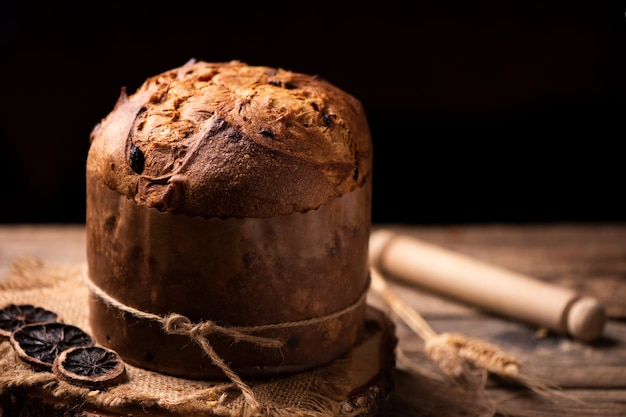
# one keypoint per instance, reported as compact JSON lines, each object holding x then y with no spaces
{"x":177,"y":324}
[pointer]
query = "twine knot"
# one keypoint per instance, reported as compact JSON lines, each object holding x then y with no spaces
{"x":204,"y":329}
{"x":178,"y":324}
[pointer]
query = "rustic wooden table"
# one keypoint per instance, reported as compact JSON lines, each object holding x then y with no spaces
{"x":591,"y":258}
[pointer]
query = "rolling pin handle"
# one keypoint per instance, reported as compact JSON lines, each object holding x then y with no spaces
{"x":585,"y":319}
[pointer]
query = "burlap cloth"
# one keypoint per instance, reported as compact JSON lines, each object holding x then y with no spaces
{"x":321,"y":392}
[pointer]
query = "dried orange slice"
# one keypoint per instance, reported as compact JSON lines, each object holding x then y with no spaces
{"x":40,"y":344}
{"x":93,"y":367}
{"x":14,"y":316}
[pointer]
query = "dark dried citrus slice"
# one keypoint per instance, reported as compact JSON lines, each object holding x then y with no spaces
{"x":93,"y":367}
{"x":40,"y":344}
{"x":14,"y":316}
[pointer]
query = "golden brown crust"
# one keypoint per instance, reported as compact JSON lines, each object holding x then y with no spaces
{"x":233,"y":140}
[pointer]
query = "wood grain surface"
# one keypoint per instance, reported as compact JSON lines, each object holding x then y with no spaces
{"x":590,"y":258}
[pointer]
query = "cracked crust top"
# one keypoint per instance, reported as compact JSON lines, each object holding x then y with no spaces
{"x":232,"y":140}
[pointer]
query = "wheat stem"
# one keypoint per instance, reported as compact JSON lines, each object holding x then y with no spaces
{"x":451,"y":352}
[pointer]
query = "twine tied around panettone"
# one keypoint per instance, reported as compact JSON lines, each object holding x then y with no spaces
{"x":177,"y":324}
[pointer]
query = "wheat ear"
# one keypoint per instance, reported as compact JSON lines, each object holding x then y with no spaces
{"x":455,"y":355}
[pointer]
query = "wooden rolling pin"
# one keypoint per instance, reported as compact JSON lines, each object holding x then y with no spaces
{"x":486,"y":286}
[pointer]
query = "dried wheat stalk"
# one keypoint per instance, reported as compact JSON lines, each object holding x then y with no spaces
{"x":458,"y":357}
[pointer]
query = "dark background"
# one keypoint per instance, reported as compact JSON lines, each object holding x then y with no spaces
{"x":479,"y":111}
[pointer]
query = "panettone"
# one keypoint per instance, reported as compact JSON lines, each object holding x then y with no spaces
{"x":233,"y":196}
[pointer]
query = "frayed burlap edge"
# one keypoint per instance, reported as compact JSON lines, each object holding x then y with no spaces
{"x":59,"y":288}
